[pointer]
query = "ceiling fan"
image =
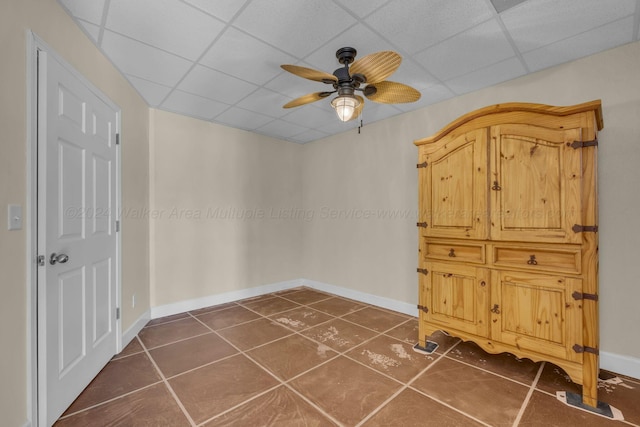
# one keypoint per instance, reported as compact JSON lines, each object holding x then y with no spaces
{"x":369,"y":72}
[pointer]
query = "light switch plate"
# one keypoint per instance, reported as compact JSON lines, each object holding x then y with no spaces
{"x":14,"y":217}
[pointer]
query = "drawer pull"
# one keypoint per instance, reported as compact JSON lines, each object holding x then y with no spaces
{"x":452,"y":253}
{"x":532,"y":260}
{"x":483,"y":283}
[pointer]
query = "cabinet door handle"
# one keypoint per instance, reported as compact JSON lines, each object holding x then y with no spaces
{"x":532,"y":260}
{"x":483,"y":283}
{"x":495,"y":309}
{"x":452,"y":253}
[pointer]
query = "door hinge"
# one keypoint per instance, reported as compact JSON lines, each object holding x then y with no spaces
{"x":117,"y":139}
{"x":423,"y":271}
{"x":41,"y":261}
{"x":579,"y":295}
{"x":584,"y":349}
{"x":422,"y":165}
{"x":423,"y":308}
{"x":583,"y":144}
{"x":117,"y":312}
{"x":584,"y":228}
{"x":117,"y":226}
{"x":421,"y":224}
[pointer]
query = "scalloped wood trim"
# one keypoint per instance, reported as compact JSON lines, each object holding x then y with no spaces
{"x":523,"y":107}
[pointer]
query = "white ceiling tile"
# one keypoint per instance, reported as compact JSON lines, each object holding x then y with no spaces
{"x":90,"y":11}
{"x":144,"y":61}
{"x":448,"y":47}
{"x":413,"y":25}
{"x":430,"y":95}
{"x":297,"y":27}
{"x":267,"y":102}
{"x":242,"y":119}
{"x":489,"y":76}
{"x":153,"y":93}
{"x":213,"y":84}
{"x":193,"y":105}
{"x":245,"y":57}
{"x":412,"y":74}
{"x":358,"y":37}
{"x":587,"y":43}
{"x":280,"y":129}
{"x":502,"y":5}
{"x":476,"y":48}
{"x":223,"y":9}
{"x":361,"y":8}
{"x":372,"y":112}
{"x":93,"y":31}
{"x":308,"y":136}
{"x":167,"y":24}
{"x":534,"y":24}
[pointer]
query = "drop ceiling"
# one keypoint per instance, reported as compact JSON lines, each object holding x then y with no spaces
{"x":219,"y":60}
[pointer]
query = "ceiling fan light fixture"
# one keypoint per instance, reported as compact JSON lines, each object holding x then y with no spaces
{"x":345,"y":106}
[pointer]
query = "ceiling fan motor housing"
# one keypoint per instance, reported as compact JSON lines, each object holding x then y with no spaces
{"x":346,"y":55}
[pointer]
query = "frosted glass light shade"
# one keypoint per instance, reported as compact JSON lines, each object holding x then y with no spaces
{"x":345,"y":106}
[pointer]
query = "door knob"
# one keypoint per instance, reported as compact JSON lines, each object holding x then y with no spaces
{"x":58,"y":258}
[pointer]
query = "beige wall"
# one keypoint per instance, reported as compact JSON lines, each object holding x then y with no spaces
{"x":223,"y":204}
{"x":375,"y":172}
{"x":51,"y":24}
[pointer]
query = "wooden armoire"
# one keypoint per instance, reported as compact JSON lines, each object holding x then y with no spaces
{"x":508,"y":234}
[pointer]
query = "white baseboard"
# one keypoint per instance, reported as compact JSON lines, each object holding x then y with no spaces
{"x":134,"y":329}
{"x":196,"y":303}
{"x":625,"y":365}
{"x":388,"y":303}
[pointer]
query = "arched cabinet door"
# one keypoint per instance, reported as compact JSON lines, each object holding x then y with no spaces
{"x":535,"y":184}
{"x":453,"y":201}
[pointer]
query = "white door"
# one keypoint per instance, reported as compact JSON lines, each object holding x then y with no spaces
{"x":77,"y":243}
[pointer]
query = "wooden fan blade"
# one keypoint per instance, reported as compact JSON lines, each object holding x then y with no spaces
{"x":376,"y":67}
{"x":309,"y":73}
{"x":358,"y":109}
{"x":306,"y":99}
{"x":393,"y":93}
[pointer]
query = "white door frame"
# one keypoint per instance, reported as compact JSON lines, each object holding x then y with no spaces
{"x":35,"y":44}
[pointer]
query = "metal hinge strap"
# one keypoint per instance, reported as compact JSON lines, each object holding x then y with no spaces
{"x":579,"y":295}
{"x":422,"y":165}
{"x":117,"y":226}
{"x":584,"y":228}
{"x":421,"y":224}
{"x":117,"y":312}
{"x":423,"y":308}
{"x":582,"y":144}
{"x":117,"y":139}
{"x":423,"y":271}
{"x":584,"y":349}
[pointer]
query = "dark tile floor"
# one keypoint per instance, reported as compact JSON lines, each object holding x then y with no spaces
{"x":306,"y":358}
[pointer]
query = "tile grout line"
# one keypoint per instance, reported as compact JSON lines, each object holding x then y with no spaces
{"x":168,"y":386}
{"x":281,"y":382}
{"x":286,"y":384}
{"x":295,"y":332}
{"x":488,"y":371}
{"x":527,"y":398}
{"x":408,"y":386}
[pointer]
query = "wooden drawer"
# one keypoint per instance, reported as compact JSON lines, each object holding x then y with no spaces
{"x":454,"y":251}
{"x":566,"y":260}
